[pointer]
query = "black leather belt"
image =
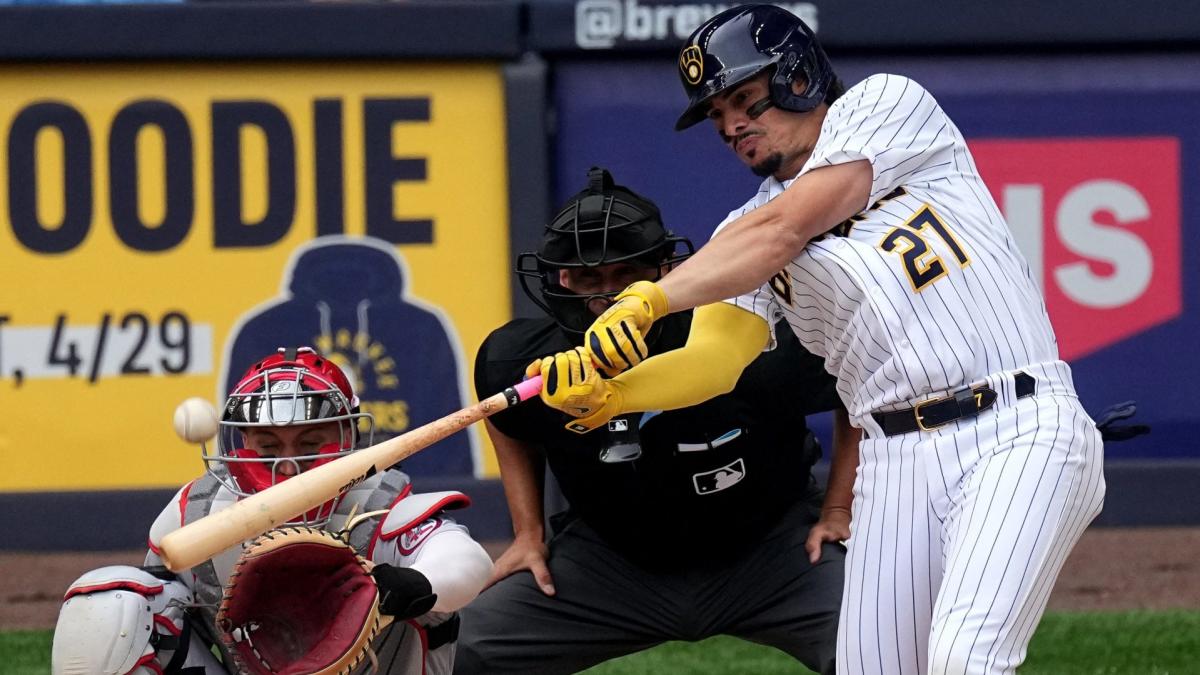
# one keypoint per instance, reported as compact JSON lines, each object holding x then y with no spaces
{"x":938,"y":412}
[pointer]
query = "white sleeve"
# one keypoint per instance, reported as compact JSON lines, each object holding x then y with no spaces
{"x":169,"y":520}
{"x":455,"y":564}
{"x":893,"y":123}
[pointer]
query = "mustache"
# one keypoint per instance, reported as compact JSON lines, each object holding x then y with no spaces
{"x":734,"y":140}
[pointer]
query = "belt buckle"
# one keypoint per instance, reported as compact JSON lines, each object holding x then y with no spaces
{"x":921,"y":420}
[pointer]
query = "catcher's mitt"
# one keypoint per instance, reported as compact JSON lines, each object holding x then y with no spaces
{"x":299,"y":600}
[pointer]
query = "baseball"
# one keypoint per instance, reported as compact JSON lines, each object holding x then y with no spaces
{"x":195,"y":420}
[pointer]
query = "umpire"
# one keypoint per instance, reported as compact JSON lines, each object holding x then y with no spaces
{"x":683,"y":524}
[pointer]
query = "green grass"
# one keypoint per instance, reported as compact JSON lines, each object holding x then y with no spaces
{"x":1116,"y":643}
{"x":25,"y":652}
{"x":714,"y":655}
{"x":1098,"y":643}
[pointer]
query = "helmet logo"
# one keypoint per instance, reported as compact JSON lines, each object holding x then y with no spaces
{"x":691,"y":64}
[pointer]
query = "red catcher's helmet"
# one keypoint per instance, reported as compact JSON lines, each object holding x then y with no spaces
{"x":292,"y":387}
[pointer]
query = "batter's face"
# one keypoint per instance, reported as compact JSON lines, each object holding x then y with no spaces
{"x":604,"y":279}
{"x":776,"y":142}
{"x":293,"y":441}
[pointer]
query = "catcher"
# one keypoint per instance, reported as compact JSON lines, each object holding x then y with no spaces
{"x":370,"y":580}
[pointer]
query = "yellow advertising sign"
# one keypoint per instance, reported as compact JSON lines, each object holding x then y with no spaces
{"x":164,"y":225}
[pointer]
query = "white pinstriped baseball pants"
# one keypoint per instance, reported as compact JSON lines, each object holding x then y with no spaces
{"x":959,"y":533}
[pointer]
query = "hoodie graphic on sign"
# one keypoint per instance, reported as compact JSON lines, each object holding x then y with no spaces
{"x":346,"y":298}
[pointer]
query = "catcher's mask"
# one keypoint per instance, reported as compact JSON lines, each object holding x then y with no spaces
{"x":292,"y":388}
{"x":604,"y":224}
{"x":738,"y":44}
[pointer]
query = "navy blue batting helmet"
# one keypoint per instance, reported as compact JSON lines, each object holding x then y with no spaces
{"x":742,"y":42}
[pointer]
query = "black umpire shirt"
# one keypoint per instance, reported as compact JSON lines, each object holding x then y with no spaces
{"x":710,"y":480}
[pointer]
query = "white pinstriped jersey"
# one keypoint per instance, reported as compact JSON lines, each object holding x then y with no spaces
{"x":925,"y":290}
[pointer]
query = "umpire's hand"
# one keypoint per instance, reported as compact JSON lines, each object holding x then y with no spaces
{"x":525,"y":553}
{"x":833,"y":527}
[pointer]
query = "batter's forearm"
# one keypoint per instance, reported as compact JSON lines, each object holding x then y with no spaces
{"x":753,"y":248}
{"x":732,"y":263}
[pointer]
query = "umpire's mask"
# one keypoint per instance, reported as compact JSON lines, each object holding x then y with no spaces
{"x":602,"y":225}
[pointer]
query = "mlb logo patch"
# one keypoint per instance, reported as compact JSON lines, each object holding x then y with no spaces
{"x":618,"y":425}
{"x":720,"y":479}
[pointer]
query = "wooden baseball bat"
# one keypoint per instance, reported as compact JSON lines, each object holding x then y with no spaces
{"x":247,"y":518}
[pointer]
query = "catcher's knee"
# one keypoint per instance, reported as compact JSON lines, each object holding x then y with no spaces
{"x":118,"y":619}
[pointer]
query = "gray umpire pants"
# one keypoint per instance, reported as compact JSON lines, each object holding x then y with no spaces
{"x":606,"y":606}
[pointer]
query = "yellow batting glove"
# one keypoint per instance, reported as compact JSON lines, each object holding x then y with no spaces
{"x":571,"y":384}
{"x":616,"y":340}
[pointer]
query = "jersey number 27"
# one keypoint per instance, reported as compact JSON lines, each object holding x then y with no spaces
{"x":910,"y":241}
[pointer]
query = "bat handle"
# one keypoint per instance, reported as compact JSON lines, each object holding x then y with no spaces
{"x":526,"y":389}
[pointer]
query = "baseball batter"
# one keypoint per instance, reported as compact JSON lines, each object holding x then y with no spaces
{"x":682,"y":525}
{"x":291,"y":410}
{"x":875,"y":237}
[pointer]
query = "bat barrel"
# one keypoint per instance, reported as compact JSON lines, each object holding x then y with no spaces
{"x":247,"y":518}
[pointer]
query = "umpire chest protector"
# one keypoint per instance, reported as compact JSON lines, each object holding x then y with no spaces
{"x":731,"y":465}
